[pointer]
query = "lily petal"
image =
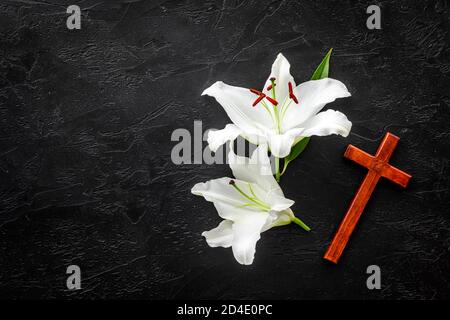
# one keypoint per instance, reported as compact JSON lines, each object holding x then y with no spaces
{"x":218,"y":190}
{"x":281,"y":72}
{"x":234,"y":213}
{"x":220,"y":236}
{"x":281,"y":144}
{"x":246,"y":232}
{"x":312,"y":97}
{"x":277,"y":219}
{"x":326,"y":123}
{"x":255,"y":170}
{"x":216,"y":138}
{"x":229,"y":203}
{"x":237,"y":103}
{"x":279,"y":203}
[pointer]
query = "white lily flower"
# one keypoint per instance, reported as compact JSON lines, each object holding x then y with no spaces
{"x":282,"y":113}
{"x":250,"y":204}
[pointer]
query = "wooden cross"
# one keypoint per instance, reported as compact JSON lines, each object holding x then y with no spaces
{"x":378,"y":167}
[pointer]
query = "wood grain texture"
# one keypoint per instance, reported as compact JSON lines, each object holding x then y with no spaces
{"x":378,"y":167}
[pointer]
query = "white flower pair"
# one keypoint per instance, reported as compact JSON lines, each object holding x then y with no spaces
{"x":275,"y":118}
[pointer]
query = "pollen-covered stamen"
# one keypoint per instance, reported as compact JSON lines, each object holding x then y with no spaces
{"x":290,"y":87}
{"x":260,"y":94}
{"x":291,"y":93}
{"x":293,"y":97}
{"x":272,"y":101}
{"x":258,"y":100}
{"x":272,"y":85}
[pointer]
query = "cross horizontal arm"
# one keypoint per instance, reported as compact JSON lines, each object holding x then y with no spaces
{"x":378,"y":163}
{"x":396,"y":175}
{"x":359,"y":156}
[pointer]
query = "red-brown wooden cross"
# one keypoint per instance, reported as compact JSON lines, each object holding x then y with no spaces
{"x":378,"y":167}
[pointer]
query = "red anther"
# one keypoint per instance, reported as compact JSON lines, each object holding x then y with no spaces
{"x":256,"y":92}
{"x":290,"y":88}
{"x":293,"y":97}
{"x":272,"y":101}
{"x":269,"y":87}
{"x":291,"y":93}
{"x":258,"y":100}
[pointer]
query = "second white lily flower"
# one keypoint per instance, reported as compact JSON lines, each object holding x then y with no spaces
{"x":250,"y":204}
{"x":282,"y":113}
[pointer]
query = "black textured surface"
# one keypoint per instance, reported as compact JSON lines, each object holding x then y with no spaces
{"x":87,"y":115}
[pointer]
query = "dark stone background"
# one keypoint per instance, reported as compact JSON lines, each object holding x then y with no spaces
{"x":85,"y":171}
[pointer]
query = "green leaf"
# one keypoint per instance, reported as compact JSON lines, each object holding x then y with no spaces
{"x":320,"y":73}
{"x":296,"y":150}
{"x":323,"y":68}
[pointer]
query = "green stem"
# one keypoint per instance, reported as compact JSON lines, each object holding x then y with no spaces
{"x":277,"y":169}
{"x":300,"y":223}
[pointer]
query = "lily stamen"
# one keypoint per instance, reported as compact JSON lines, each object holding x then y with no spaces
{"x":255,"y":202}
{"x":260,"y":94}
{"x":257,"y":92}
{"x":291,"y":93}
{"x":272,"y":101}
{"x":258,"y":100}
{"x":272,"y":87}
